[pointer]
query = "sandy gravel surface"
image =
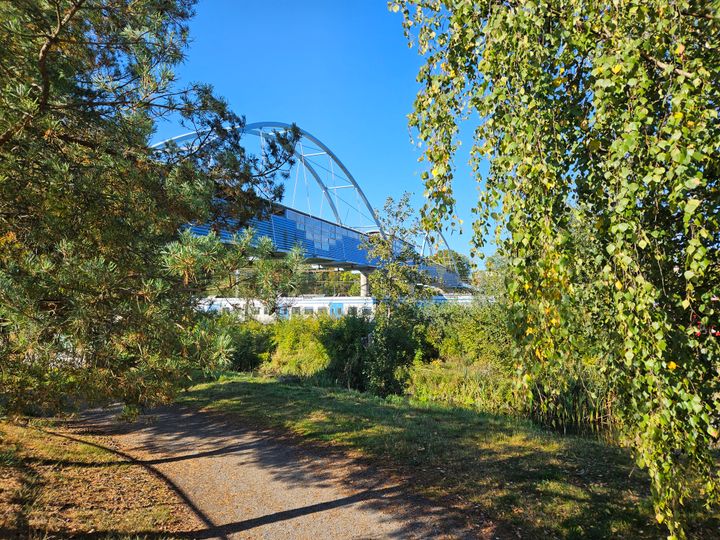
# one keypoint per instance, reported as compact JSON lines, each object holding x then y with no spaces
{"x":246,"y":483}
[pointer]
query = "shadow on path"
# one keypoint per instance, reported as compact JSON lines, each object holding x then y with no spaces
{"x":301,"y":482}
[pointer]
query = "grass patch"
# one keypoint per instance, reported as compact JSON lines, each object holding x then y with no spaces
{"x":55,"y":483}
{"x":537,"y":483}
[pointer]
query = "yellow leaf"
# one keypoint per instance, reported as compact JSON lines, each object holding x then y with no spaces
{"x":618,"y":285}
{"x":678,"y":115}
{"x":672,"y":366}
{"x":660,"y":518}
{"x":617,"y":68}
{"x":679,"y":49}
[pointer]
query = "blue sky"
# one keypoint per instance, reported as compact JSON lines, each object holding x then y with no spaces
{"x":342,"y":70}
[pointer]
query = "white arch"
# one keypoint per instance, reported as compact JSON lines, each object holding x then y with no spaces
{"x":256,"y":129}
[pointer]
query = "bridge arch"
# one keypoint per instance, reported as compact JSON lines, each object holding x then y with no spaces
{"x":259,"y":129}
{"x":269,"y":128}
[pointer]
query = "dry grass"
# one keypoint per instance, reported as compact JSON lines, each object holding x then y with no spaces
{"x":54,"y":486}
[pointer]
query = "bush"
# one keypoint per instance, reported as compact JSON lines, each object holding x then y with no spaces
{"x":472,"y":334}
{"x":297,"y":348}
{"x":251,"y":341}
{"x":460,"y":355}
{"x":473,"y":366}
{"x":476,"y":369}
{"x":396,"y":343}
{"x":345,"y":341}
{"x":326,"y":350}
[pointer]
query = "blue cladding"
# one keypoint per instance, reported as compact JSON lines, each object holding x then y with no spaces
{"x":320,"y":240}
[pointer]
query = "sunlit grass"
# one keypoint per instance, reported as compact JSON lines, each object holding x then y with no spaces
{"x":540,"y":483}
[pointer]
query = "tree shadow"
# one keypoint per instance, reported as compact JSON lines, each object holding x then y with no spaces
{"x":169,"y":431}
{"x":490,"y":469}
{"x":480,"y":476}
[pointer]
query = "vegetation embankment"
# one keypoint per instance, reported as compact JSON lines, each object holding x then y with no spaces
{"x":458,"y":355}
{"x":462,"y":429}
{"x":526,"y":480}
{"x":56,"y":482}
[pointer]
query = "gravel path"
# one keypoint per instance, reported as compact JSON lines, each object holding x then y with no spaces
{"x":247,"y":483}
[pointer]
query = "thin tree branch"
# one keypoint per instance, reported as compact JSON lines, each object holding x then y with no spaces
{"x":44,"y":75}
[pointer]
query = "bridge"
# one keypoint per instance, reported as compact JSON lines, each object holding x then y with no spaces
{"x":331,"y":221}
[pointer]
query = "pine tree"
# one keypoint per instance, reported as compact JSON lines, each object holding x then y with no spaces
{"x":91,"y":303}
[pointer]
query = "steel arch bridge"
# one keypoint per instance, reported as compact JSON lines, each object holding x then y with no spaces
{"x":332,"y":219}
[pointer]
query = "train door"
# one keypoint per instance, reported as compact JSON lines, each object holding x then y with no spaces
{"x":336,"y":309}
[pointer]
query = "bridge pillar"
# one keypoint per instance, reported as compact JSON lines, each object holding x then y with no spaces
{"x":364,"y":284}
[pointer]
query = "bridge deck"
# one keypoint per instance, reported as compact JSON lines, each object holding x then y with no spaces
{"x":324,"y":242}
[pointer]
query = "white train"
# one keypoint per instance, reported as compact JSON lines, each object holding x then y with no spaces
{"x":305,"y":306}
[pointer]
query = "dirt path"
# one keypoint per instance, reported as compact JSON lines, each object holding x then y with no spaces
{"x":245,"y":483}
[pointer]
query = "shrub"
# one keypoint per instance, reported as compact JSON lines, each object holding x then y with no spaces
{"x":326,"y":350}
{"x":396,"y":343}
{"x":345,"y":341}
{"x":297,"y":348}
{"x":251,"y":340}
{"x":475,"y":368}
{"x":472,"y":334}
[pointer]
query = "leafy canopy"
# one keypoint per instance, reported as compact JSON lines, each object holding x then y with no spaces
{"x":95,"y":299}
{"x":602,"y":114}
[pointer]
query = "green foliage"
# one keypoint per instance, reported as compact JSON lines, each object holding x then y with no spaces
{"x":474,"y":366}
{"x":490,"y":282}
{"x":399,"y":284}
{"x":396,"y":343}
{"x":455,"y":261}
{"x":330,"y":282}
{"x":346,"y":341}
{"x":251,"y":341}
{"x":324,"y":349}
{"x":255,"y":272}
{"x":298,"y":349}
{"x":398,"y":278}
{"x":274,"y":277}
{"x":604,"y":117}
{"x":472,"y":334}
{"x":98,"y":293}
{"x":480,"y":386}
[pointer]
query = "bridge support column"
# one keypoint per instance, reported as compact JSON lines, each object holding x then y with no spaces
{"x":364,"y":284}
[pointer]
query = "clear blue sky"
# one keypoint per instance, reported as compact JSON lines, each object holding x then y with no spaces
{"x":342,"y":70}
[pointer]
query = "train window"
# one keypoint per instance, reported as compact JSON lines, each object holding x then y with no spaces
{"x":366,"y":311}
{"x":352,"y":310}
{"x":308,"y":311}
{"x":322,"y":310}
{"x":296,"y":311}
